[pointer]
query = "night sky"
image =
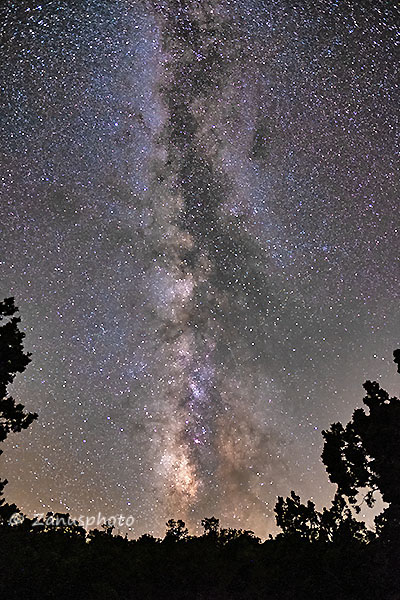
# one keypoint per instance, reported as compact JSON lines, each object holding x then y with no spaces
{"x":199,"y":224}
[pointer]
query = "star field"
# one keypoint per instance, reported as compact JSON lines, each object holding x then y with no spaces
{"x":199,"y":223}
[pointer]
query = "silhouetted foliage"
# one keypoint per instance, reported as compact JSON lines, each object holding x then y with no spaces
{"x":327,"y":554}
{"x":211,"y":526}
{"x":330,"y":525}
{"x":396,"y":354}
{"x":365,"y":454}
{"x":59,"y":523}
{"x":13,"y":360}
{"x":176,"y":531}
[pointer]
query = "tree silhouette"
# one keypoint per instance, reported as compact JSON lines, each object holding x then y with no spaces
{"x":396,"y":359}
{"x":60,"y":524}
{"x":365,"y":454}
{"x":13,"y":360}
{"x":295,"y":518}
{"x":331,"y":525}
{"x":211,"y":526}
{"x":176,"y":531}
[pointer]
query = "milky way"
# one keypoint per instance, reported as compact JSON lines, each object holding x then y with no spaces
{"x":199,"y":225}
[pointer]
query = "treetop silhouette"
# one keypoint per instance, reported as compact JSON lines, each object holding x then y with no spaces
{"x":365,"y":454}
{"x":13,"y":360}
